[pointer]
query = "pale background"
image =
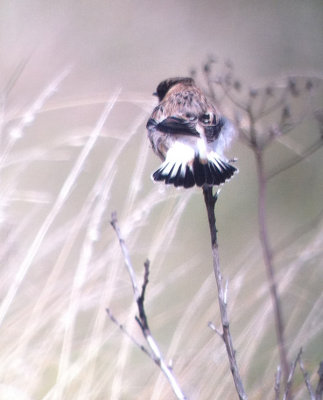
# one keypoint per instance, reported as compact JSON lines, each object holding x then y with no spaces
{"x":56,"y":341}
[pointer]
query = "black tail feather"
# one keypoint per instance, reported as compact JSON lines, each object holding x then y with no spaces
{"x":188,"y":180}
{"x":213,"y":172}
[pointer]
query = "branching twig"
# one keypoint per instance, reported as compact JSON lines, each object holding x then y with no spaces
{"x":319,"y":388}
{"x":289,"y":382}
{"x":210,"y":200}
{"x":142,"y":319}
{"x":268,"y":260}
{"x":298,"y":233}
{"x":114,"y":223}
{"x":297,"y":159}
{"x":257,"y":141}
{"x":124,"y":331}
{"x":307,"y":382}
{"x":155,"y":353}
{"x":248,"y":116}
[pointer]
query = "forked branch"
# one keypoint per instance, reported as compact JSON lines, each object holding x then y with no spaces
{"x":139,"y":297}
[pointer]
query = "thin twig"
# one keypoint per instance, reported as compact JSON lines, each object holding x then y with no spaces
{"x":268,"y":260}
{"x":210,"y":200}
{"x":273,"y":107}
{"x":297,"y":159}
{"x":319,"y":388}
{"x":215,"y":329}
{"x":307,"y":382}
{"x":298,"y":233}
{"x":124,"y":249}
{"x":289,"y":382}
{"x":124,"y":331}
{"x":142,"y":320}
{"x":257,"y":143}
{"x":277,"y":382}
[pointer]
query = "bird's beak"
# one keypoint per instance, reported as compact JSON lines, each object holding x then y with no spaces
{"x":155,"y":94}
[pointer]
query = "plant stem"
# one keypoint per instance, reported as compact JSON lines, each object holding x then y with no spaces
{"x":139,"y":297}
{"x":268,"y":260}
{"x":210,"y":200}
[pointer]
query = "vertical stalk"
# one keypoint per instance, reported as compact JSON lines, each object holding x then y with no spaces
{"x":268,"y":260}
{"x":210,"y":200}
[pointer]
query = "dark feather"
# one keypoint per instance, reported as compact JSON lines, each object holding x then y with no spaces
{"x":176,"y":125}
{"x":199,"y":174}
{"x":212,"y":131}
{"x":188,"y":180}
{"x":151,"y":124}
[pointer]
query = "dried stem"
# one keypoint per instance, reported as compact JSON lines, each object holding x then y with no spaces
{"x":124,"y":331}
{"x":125,"y":252}
{"x":277,"y":383}
{"x":268,"y":260}
{"x":257,"y":143}
{"x":319,"y":388}
{"x":139,"y":296}
{"x":210,"y":200}
{"x":306,"y":153}
{"x":306,"y":379}
{"x":248,"y":115}
{"x":289,"y":382}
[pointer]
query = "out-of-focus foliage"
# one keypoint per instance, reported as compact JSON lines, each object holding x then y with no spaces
{"x":66,"y":69}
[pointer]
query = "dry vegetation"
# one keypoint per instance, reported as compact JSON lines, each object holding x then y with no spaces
{"x":63,"y":170}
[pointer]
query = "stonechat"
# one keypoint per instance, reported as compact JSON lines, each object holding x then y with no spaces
{"x":188,"y":134}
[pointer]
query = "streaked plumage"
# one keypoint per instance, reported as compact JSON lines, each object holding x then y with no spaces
{"x":187,"y":133}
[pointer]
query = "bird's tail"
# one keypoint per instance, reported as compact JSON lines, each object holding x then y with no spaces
{"x":212,"y":171}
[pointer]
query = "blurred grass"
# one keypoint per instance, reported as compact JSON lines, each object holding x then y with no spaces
{"x":56,"y":340}
{"x":55,"y":324}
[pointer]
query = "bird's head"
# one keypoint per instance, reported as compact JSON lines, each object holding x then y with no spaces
{"x":167,"y":84}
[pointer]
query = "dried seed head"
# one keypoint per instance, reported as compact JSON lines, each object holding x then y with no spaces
{"x":286,"y":113}
{"x":309,"y":85}
{"x":253,"y":92}
{"x":293,"y":87}
{"x":237,"y":85}
{"x":207,"y":67}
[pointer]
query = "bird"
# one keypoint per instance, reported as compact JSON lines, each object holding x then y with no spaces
{"x":189,"y":135}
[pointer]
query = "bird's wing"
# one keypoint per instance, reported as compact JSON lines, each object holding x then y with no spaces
{"x":174,"y":125}
{"x":212,"y":129}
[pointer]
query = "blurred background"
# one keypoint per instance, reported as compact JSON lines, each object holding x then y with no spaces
{"x":76,"y":82}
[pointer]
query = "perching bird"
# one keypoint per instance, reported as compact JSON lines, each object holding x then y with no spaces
{"x":188,"y":134}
